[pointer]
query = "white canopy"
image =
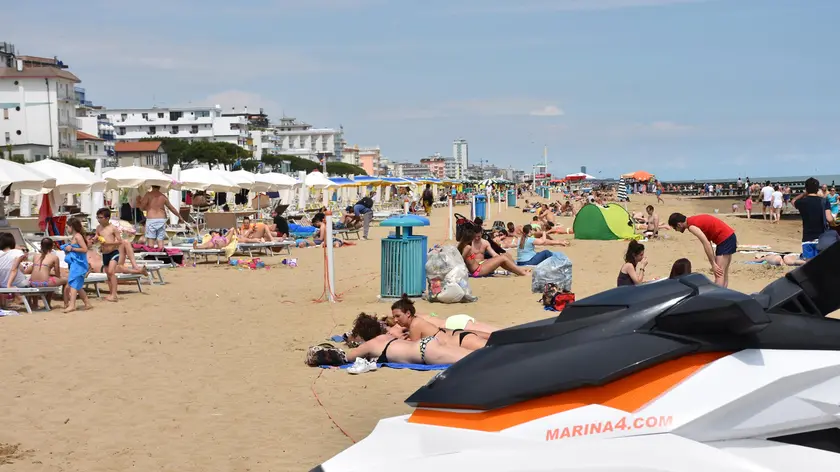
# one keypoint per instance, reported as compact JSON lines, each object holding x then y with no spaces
{"x":136,"y":177}
{"x":22,"y":177}
{"x":200,"y":178}
{"x":279,"y":180}
{"x":317,"y":180}
{"x":579,"y":176}
{"x":242,"y":178}
{"x":68,"y":179}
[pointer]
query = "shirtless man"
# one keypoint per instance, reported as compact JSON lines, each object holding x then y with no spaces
{"x":110,"y":243}
{"x":652,"y":230}
{"x":254,"y":232}
{"x":155,"y":204}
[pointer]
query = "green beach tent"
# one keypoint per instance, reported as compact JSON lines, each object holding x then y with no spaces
{"x":604,"y":223}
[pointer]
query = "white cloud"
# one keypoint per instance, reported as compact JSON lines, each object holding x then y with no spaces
{"x":548,"y":110}
{"x":474,"y":108}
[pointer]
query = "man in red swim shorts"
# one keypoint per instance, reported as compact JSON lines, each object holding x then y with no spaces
{"x":709,"y":229}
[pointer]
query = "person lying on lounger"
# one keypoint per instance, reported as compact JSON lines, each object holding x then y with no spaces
{"x":254,"y":232}
{"x":404,"y":314}
{"x":385,"y":348}
{"x":320,"y":239}
{"x":216,"y":241}
{"x":792,"y":259}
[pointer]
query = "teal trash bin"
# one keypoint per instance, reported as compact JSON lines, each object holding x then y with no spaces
{"x":481,"y":207}
{"x":511,"y":198}
{"x":403,"y":265}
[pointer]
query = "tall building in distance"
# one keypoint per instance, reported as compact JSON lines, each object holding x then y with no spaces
{"x":461,"y":152}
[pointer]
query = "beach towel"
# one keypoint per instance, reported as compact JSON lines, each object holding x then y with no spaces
{"x":395,"y":365}
{"x":145,"y":248}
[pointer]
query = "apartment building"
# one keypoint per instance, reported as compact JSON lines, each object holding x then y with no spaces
{"x":436,"y":165}
{"x":190,"y":123}
{"x":297,"y":138}
{"x":461,"y":152}
{"x":370,"y":160}
{"x":452,"y":168}
{"x":37,"y":106}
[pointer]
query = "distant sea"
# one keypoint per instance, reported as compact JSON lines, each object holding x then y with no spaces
{"x":794,"y":180}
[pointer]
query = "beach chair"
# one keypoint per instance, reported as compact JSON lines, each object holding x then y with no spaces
{"x":40,"y":292}
{"x":265,"y":247}
{"x":98,"y":278}
{"x":154,"y":269}
{"x":344,"y":232}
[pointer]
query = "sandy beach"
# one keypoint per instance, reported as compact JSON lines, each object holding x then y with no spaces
{"x":207,"y":372}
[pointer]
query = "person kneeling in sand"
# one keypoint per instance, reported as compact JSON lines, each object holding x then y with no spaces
{"x":385,"y":348}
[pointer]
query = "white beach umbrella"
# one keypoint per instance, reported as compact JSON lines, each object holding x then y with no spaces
{"x":22,"y":177}
{"x":68,"y":179}
{"x":241,"y":178}
{"x":317,"y":180}
{"x":136,"y":177}
{"x":200,"y":178}
{"x":279,"y":180}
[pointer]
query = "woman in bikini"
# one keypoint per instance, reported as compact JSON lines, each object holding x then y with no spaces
{"x":385,"y":348}
{"x":45,"y":270}
{"x":404,"y":314}
{"x":216,"y":241}
{"x":472,"y":248}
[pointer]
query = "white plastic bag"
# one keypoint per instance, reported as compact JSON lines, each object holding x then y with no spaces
{"x":445,"y":269}
{"x":557,"y":270}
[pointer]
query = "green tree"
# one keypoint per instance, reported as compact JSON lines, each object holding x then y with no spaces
{"x":17,"y":158}
{"x":81,"y":163}
{"x":175,"y":149}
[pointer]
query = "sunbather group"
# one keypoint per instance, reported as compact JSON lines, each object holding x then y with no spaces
{"x":416,"y":338}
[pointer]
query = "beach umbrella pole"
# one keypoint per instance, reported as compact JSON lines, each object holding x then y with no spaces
{"x":329,"y":256}
{"x":500,"y":203}
{"x":451,"y":221}
{"x":472,"y":207}
{"x":405,"y":207}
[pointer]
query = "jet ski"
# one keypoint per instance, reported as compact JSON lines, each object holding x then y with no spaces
{"x":675,"y":376}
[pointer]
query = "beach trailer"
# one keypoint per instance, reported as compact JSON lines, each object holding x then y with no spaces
{"x":604,"y":223}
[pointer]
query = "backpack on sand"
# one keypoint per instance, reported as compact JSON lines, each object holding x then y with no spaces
{"x":555,"y":298}
{"x":325,"y":354}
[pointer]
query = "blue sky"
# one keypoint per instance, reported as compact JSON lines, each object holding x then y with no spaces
{"x":681,"y":88}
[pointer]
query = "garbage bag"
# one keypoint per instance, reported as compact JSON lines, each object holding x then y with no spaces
{"x":557,"y":270}
{"x":447,"y":276}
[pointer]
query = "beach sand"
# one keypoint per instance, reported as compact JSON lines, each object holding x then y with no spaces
{"x":207,"y":372}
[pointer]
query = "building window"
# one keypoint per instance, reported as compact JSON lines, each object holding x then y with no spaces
{"x":18,"y":132}
{"x":121,"y":131}
{"x":123,"y":116}
{"x":194,"y":129}
{"x":152,"y":130}
{"x":5,"y":113}
{"x":160,"y":115}
{"x":145,"y":116}
{"x":8,"y":138}
{"x":174,"y":130}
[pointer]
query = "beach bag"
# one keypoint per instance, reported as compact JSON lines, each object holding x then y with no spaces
{"x":461,"y":222}
{"x":325,"y":354}
{"x":556,"y":298}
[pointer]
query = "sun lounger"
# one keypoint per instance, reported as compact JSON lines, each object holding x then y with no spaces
{"x":98,"y":278}
{"x":40,"y":292}
{"x":154,"y":269}
{"x":344,"y":232}
{"x":265,"y":247}
{"x":206,"y":253}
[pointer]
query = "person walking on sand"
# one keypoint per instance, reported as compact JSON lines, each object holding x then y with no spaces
{"x":428,"y":199}
{"x":709,"y":229}
{"x":110,"y":241}
{"x":75,"y":256}
{"x":766,"y":200}
{"x":659,"y":192}
{"x":155,"y":204}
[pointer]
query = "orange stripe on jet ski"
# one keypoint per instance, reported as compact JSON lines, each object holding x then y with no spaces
{"x":628,"y":394}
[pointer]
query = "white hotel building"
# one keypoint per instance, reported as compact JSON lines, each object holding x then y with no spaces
{"x":37,"y":107}
{"x":199,"y":124}
{"x":292,"y":137}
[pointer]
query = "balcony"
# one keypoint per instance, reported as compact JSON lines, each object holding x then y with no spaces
{"x":69,"y":122}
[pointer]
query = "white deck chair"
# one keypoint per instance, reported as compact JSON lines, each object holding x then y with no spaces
{"x":40,"y":292}
{"x":264,"y":247}
{"x":98,"y":278}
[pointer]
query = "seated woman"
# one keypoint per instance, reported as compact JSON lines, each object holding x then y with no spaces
{"x":567,"y":209}
{"x":681,"y":267}
{"x":385,"y":348}
{"x":503,"y":239}
{"x":216,"y":241}
{"x":254,"y":232}
{"x":633,"y":270}
{"x":404,"y":314}
{"x":473,"y":247}
{"x":791,"y":259}
{"x":45,"y":269}
{"x":527,"y":255}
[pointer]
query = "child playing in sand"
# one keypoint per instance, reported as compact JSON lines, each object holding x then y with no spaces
{"x":76,"y":258}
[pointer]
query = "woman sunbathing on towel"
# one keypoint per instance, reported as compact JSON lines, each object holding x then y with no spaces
{"x":791,"y":259}
{"x":385,"y":348}
{"x":404,"y":314}
{"x":473,"y":247}
{"x":216,"y":241}
{"x":254,"y":232}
